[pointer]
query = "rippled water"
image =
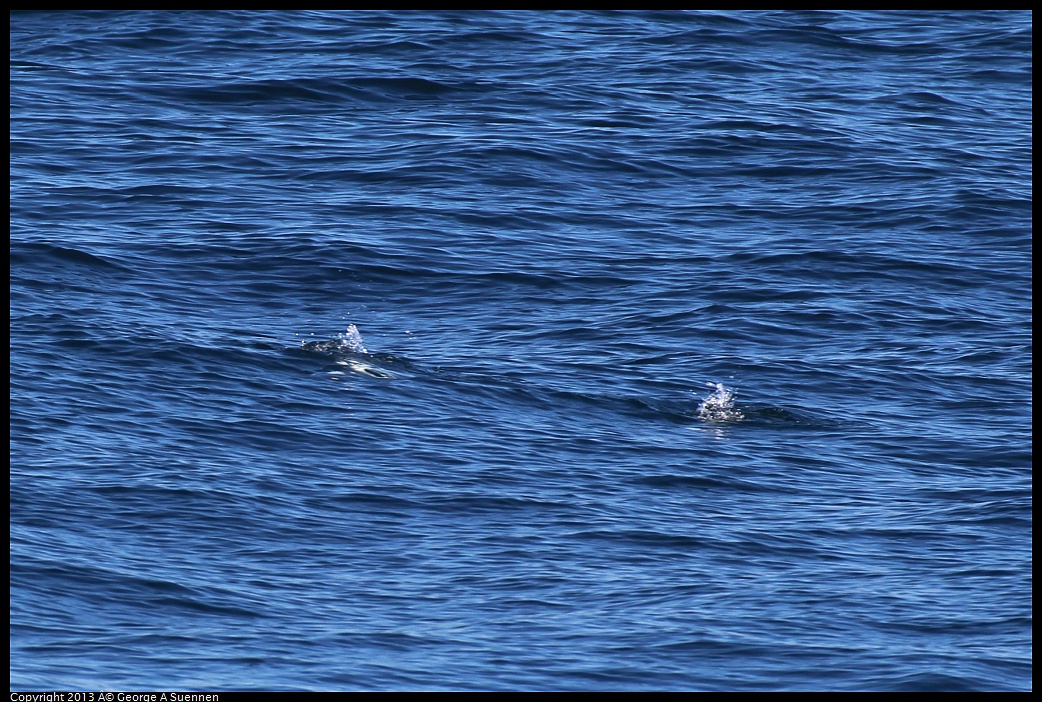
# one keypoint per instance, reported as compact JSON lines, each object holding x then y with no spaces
{"x":521,"y":350}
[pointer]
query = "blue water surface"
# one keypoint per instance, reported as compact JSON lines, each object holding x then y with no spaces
{"x":468,"y":350}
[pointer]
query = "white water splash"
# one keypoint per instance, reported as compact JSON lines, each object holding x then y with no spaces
{"x":719,"y":406}
{"x":351,"y":340}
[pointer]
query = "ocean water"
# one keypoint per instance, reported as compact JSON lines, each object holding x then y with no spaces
{"x":520,"y":350}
